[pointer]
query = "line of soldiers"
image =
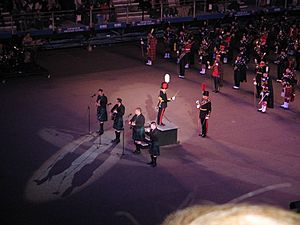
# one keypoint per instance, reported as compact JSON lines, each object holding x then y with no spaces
{"x":255,"y":38}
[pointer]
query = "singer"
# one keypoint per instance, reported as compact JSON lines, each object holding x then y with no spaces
{"x":137,"y":123}
{"x":101,"y":104}
{"x":118,"y":112}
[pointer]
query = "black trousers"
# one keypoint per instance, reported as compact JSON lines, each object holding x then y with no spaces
{"x":160,"y":115}
{"x":237,"y":79}
{"x":217,"y":82}
{"x":182,"y":63}
{"x":203,"y":125}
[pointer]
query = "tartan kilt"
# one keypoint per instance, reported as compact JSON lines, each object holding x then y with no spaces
{"x":138,"y":134}
{"x":154,"y":149}
{"x":118,"y":123}
{"x":151,"y":53}
{"x":288,"y":92}
{"x":101,"y":114}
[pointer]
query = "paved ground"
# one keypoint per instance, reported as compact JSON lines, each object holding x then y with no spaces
{"x":54,"y":172}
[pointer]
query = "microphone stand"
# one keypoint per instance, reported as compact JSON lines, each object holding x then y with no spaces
{"x":89,"y":113}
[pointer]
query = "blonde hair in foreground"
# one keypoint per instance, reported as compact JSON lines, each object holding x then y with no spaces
{"x":239,"y":214}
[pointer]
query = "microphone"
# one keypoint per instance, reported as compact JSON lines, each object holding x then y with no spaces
{"x":92,"y":96}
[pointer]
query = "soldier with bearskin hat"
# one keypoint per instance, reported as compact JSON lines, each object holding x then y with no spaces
{"x":163,"y":102}
{"x":117,"y":113}
{"x":137,"y":123}
{"x":266,"y":94}
{"x":288,"y":88}
{"x":151,"y":48}
{"x":204,"y":107}
{"x":101,"y":104}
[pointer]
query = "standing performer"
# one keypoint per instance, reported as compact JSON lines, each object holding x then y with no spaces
{"x":154,"y":150}
{"x":203,"y":56}
{"x":260,"y":70}
{"x":282,"y":64}
{"x":101,"y":104}
{"x":204,"y":112}
{"x":137,"y":123}
{"x":217,"y":74}
{"x":151,"y":48}
{"x":117,"y":116}
{"x":163,"y":102}
{"x":266,"y":94}
{"x":168,"y":42}
{"x":288,"y":88}
{"x":239,"y":68}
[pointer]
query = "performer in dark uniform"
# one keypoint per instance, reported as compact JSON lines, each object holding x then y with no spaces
{"x":163,"y":102}
{"x":282,"y":64}
{"x":184,"y":58}
{"x":101,"y":103}
{"x":239,"y":68}
{"x":117,"y":116}
{"x":260,"y":70}
{"x":266,"y":94}
{"x":154,"y":150}
{"x":168,"y":42}
{"x":137,"y":123}
{"x":204,"y":107}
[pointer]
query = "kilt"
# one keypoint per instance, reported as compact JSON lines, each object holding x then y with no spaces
{"x":288,"y":92}
{"x":152,"y":53}
{"x":101,"y":114}
{"x":154,"y":149}
{"x":138,"y":133}
{"x":118,"y":123}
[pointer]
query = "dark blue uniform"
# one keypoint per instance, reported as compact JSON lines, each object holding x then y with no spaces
{"x":205,"y":109}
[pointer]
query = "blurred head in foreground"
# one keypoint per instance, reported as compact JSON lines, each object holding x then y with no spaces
{"x":239,"y":214}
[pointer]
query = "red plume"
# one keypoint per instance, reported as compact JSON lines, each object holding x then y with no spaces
{"x":203,"y":87}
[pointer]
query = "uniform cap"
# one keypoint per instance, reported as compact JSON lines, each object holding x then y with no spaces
{"x":205,"y":93}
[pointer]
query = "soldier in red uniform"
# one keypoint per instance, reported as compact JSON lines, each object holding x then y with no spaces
{"x":151,"y":48}
{"x":216,"y":74}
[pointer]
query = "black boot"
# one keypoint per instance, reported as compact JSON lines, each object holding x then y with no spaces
{"x":137,"y":149}
{"x":154,"y":161}
{"x":101,"y":131}
{"x":151,"y":162}
{"x":115,"y":140}
{"x":118,"y":134}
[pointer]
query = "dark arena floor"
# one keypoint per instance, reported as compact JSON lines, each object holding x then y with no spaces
{"x":53,"y":172}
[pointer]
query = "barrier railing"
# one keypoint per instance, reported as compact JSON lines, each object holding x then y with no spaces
{"x":131,"y":11}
